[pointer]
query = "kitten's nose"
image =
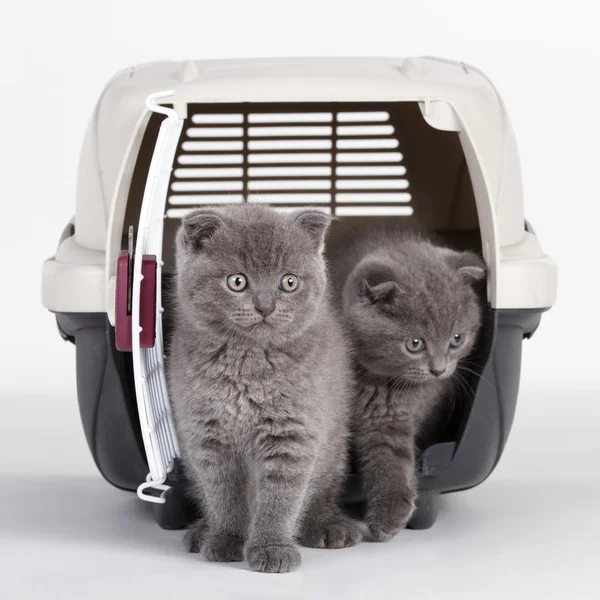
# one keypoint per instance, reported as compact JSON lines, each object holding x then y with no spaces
{"x":265,"y":306}
{"x":438,"y":366}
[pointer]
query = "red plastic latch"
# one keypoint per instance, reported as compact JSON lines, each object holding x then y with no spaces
{"x":123,"y":323}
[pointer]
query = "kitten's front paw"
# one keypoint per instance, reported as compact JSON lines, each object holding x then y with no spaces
{"x":386,"y":518}
{"x":339,"y":533}
{"x":273,"y":558}
{"x":223,"y":548}
{"x":213,"y":546}
{"x":193,"y":539}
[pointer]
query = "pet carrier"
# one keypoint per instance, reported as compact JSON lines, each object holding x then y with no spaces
{"x":363,"y":139}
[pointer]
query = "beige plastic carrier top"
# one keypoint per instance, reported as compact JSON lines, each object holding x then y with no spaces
{"x":452,"y":96}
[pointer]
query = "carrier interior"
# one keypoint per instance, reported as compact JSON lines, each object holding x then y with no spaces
{"x":362,"y":162}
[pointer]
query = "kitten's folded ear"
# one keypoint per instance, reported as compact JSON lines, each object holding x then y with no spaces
{"x":377,"y":283}
{"x":386,"y":291}
{"x":469,"y":265}
{"x":198,"y":226}
{"x":315,"y":223}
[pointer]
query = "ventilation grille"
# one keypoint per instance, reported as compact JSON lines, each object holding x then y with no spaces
{"x":346,"y":162}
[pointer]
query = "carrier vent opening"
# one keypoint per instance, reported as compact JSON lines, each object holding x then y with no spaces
{"x":344,"y":162}
{"x":365,"y":163}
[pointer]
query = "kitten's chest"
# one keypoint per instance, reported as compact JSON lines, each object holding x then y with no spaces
{"x":240,"y":364}
{"x":388,"y":402}
{"x":245,"y":383}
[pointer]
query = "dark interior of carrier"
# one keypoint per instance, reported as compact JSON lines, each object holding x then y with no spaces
{"x":363,"y":162}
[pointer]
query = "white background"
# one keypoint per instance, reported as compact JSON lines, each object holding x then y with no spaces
{"x":531,"y":531}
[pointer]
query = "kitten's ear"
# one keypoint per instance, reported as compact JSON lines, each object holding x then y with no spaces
{"x":198,"y":226}
{"x":469,"y":265}
{"x":386,"y":291}
{"x":313,"y":222}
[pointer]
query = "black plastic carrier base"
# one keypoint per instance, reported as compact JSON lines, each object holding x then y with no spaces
{"x":459,"y":450}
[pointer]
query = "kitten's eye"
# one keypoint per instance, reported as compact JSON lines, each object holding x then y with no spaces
{"x":288,"y":283}
{"x":415,"y":344}
{"x":237,"y":283}
{"x":456,"y":341}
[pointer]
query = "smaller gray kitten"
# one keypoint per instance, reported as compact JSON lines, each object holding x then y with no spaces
{"x":260,"y":384}
{"x":413,"y":314}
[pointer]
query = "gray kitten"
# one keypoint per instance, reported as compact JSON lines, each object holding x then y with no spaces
{"x":412,"y":314}
{"x":260,"y":385}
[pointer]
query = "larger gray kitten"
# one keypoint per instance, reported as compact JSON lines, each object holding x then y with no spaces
{"x":260,"y":385}
{"x":412,"y":314}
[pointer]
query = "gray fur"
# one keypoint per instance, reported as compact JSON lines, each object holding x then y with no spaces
{"x":396,"y":287}
{"x":262,"y":406}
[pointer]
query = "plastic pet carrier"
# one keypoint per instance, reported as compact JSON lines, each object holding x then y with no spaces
{"x":363,"y":139}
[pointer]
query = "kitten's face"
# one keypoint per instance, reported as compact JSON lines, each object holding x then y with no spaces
{"x":415,"y":321}
{"x":252,"y":271}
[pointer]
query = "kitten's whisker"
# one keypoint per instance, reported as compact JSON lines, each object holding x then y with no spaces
{"x":400,"y":385}
{"x":470,"y":362}
{"x":452,"y":402}
{"x":461,"y":385}
{"x":473,"y":372}
{"x":466,"y":385}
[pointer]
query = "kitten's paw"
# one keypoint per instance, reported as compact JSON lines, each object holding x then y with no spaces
{"x":340,"y":532}
{"x":194,"y":537}
{"x":273,"y":558}
{"x":386,"y":519}
{"x":223,"y":548}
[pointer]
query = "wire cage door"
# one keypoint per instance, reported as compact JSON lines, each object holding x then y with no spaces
{"x":156,"y":421}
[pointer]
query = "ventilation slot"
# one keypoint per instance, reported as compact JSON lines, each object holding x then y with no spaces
{"x":364,"y":117}
{"x":367,"y":144}
{"x":292,"y":157}
{"x":217,"y":118}
{"x":290,"y":145}
{"x":347,"y":163}
{"x":290,"y":118}
{"x":208,"y":173}
{"x":215,"y":132}
{"x":304,"y":131}
{"x":210,"y":159}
